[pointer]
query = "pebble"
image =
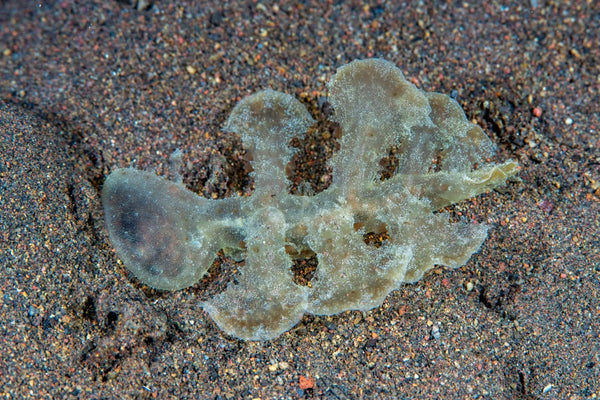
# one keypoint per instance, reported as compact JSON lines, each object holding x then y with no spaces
{"x":469,"y":286}
{"x":435,"y":332}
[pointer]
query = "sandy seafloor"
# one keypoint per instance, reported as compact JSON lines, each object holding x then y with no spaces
{"x":86,"y":86}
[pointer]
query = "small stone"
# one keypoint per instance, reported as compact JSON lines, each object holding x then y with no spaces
{"x":306,"y":382}
{"x":143,"y":5}
{"x":284,"y":365}
{"x":435,"y":332}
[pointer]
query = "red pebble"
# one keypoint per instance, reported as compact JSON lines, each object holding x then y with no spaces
{"x":306,"y":382}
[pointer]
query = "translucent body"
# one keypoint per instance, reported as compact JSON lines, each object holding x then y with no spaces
{"x":168,"y":236}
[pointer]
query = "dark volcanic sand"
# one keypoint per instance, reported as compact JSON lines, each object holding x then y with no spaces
{"x":89,"y":86}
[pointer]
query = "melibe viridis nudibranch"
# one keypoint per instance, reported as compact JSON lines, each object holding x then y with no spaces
{"x":168,"y":236}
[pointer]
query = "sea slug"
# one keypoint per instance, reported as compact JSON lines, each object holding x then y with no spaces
{"x":168,"y":236}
